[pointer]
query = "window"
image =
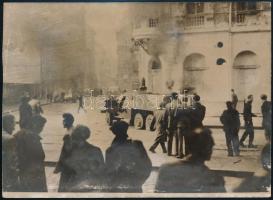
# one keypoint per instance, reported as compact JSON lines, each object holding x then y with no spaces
{"x":194,"y":8}
{"x":244,"y":6}
{"x":153,"y":22}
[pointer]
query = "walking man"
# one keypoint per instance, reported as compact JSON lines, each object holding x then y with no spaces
{"x":231,"y":121}
{"x":249,"y":130}
{"x":234,"y":99}
{"x":266,"y":112}
{"x":81,"y":103}
{"x":199,"y":112}
{"x":159,"y":124}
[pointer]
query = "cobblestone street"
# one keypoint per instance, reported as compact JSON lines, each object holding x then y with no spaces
{"x":234,"y":169}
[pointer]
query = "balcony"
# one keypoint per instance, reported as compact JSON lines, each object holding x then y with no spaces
{"x":147,"y":29}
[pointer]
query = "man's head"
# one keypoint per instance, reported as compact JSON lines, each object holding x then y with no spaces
{"x":263,"y":97}
{"x":80,"y":134}
{"x":196,"y":98}
{"x":250,"y":98}
{"x":232,"y":90}
{"x":229,"y":105}
{"x":174,"y":95}
{"x":120,"y":128}
{"x":38,"y":122}
{"x":68,"y":120}
{"x":8,"y":123}
{"x":200,"y":144}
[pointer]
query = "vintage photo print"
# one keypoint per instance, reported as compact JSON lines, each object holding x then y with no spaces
{"x":136,"y":99}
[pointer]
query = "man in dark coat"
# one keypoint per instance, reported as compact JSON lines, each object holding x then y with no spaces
{"x":68,"y":121}
{"x":31,"y":156}
{"x":10,"y":170}
{"x":234,"y":99}
{"x":249,"y":130}
{"x":127,"y":163}
{"x":191,"y":175}
{"x":266,"y":112}
{"x":231,"y":121}
{"x":171,"y":111}
{"x":199,"y":112}
{"x":86,"y":162}
{"x":159,"y":124}
{"x":25,"y":113}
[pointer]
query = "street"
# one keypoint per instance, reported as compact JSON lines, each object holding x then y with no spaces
{"x":234,"y":169}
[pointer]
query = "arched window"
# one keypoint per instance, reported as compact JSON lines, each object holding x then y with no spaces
{"x":155,"y":63}
{"x":245,"y":74}
{"x":193,"y":76}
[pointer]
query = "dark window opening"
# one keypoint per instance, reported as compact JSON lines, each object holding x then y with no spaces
{"x":220,"y":44}
{"x":220,"y":61}
{"x":194,"y":8}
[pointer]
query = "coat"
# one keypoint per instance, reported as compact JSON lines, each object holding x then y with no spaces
{"x":159,"y":123}
{"x":199,"y":114}
{"x":87,"y":164}
{"x":25,"y":114}
{"x":10,"y":170}
{"x":231,"y":121}
{"x":127,"y":166}
{"x":31,"y":161}
{"x":248,"y":112}
{"x":66,"y":173}
{"x":188,"y":177}
{"x":266,"y":112}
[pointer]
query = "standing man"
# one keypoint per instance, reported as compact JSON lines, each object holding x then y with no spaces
{"x":231,"y":121}
{"x":159,"y":124}
{"x":249,"y":130}
{"x":25,"y":113}
{"x":266,"y":112}
{"x":234,"y":99}
{"x":171,"y":111}
{"x":199,"y":112}
{"x":68,"y":121}
{"x":81,"y":103}
{"x":10,"y":170}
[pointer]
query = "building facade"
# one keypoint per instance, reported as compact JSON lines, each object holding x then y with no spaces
{"x":207,"y":47}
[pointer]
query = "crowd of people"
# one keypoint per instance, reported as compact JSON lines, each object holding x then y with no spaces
{"x":126,"y":165}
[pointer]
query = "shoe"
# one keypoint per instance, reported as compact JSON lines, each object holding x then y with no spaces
{"x":181,"y":156}
{"x":242,"y":145}
{"x":152,"y":150}
{"x":252,"y":146}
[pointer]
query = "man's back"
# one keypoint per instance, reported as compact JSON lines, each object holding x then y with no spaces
{"x":187,"y":177}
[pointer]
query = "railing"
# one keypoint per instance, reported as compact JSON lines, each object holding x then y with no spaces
{"x":191,"y":21}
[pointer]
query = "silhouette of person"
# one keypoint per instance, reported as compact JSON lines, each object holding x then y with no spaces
{"x":31,"y":157}
{"x":85,"y":161}
{"x":191,"y":175}
{"x":68,"y":121}
{"x":10,"y":170}
{"x":127,"y":163}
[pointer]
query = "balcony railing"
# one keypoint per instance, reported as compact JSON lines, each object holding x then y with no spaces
{"x":192,"y":21}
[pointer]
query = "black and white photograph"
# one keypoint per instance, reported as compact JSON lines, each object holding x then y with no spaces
{"x":136,"y":99}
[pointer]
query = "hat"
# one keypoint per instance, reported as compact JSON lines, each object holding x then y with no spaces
{"x":120,"y":128}
{"x":174,"y":95}
{"x":196,"y":98}
{"x":81,"y":132}
{"x":263,"y":97}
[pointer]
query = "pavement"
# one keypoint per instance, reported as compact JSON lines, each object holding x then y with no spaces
{"x":234,"y":169}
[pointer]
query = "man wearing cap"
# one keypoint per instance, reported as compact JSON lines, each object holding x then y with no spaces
{"x":249,"y":130}
{"x":25,"y":113}
{"x":199,"y":112}
{"x":266,"y":112}
{"x":68,"y":121}
{"x":127,"y":163}
{"x":171,"y":111}
{"x":10,"y":170}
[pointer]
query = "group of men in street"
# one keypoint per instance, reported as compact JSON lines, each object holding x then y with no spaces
{"x":231,"y":123}
{"x":174,"y":121}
